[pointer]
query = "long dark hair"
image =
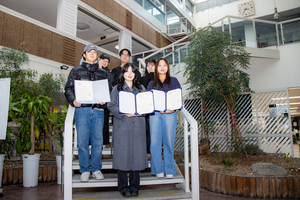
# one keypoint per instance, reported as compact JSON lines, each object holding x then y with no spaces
{"x":122,"y":79}
{"x":156,"y":75}
{"x":149,"y":61}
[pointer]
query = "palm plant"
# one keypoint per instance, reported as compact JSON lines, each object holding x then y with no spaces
{"x":32,"y":113}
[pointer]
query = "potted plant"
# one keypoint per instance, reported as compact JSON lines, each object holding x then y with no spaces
{"x":32,"y":114}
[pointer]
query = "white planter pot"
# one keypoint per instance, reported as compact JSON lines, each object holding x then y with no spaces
{"x":30,"y":170}
{"x":58,"y":165}
{"x":1,"y":167}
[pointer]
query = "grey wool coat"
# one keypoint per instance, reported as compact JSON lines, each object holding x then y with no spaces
{"x":129,"y":136}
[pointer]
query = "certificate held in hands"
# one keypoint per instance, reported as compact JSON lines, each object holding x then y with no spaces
{"x":90,"y":92}
{"x":138,"y":104}
{"x":167,"y":100}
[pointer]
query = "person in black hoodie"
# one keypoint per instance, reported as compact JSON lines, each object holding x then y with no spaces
{"x":149,"y":73}
{"x":103,"y":61}
{"x":89,"y":118}
{"x":125,"y":55}
{"x":144,"y":80}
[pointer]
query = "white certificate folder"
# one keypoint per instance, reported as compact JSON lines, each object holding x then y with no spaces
{"x":139,"y":103}
{"x":92,"y":91}
{"x":167,"y":100}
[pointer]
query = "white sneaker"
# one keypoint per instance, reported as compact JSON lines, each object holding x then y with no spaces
{"x":98,"y":175}
{"x":85,"y":177}
{"x":160,"y":175}
{"x":169,"y":176}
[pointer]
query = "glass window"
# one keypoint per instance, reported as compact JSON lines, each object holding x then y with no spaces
{"x":154,"y":11}
{"x":160,"y":5}
{"x":139,"y":2}
{"x":189,"y":11}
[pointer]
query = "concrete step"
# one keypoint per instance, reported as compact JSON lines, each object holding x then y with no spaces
{"x":106,"y":164}
{"x":110,"y":180}
{"x":147,"y":192}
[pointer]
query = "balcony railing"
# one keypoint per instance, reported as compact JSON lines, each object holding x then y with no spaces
{"x":260,"y":33}
{"x":179,"y":25}
{"x":251,"y":32}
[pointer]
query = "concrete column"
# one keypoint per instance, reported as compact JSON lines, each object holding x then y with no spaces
{"x":67,"y":17}
{"x":125,"y":40}
{"x":250,"y":36}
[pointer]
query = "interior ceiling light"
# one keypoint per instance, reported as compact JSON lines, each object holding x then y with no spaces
{"x":276,"y":15}
{"x":117,"y":46}
{"x":82,"y":26}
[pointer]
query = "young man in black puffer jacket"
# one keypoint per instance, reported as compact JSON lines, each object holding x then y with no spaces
{"x":89,"y":118}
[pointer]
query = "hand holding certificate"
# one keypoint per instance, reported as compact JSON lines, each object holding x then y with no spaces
{"x":137,"y":104}
{"x":92,"y":91}
{"x":170,"y":100}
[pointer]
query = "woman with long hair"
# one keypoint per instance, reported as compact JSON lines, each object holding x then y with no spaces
{"x":129,"y":135}
{"x":163,"y":124}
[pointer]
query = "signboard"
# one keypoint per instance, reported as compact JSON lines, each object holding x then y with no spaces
{"x":4,"y":104}
{"x":282,"y":110}
{"x":273,"y":110}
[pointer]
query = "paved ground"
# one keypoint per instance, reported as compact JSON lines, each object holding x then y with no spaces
{"x":51,"y":191}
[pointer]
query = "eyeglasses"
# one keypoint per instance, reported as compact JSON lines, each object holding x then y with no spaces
{"x":125,"y":55}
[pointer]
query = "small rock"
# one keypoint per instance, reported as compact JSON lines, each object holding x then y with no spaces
{"x":268,"y":169}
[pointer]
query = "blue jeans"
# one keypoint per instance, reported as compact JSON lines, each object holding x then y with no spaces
{"x":162,"y":132}
{"x":89,"y":124}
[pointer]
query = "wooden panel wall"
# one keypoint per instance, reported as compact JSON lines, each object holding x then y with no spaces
{"x":19,"y":34}
{"x":125,"y":18}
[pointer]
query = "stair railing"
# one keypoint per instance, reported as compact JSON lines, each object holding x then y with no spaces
{"x":191,"y":130}
{"x":142,"y":60}
{"x":68,"y":153}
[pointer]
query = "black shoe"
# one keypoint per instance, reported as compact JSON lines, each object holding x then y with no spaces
{"x":134,"y":192}
{"x":125,"y":193}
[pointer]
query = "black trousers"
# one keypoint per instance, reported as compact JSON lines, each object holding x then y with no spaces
{"x":147,"y":134}
{"x":106,"y":127}
{"x":134,"y":180}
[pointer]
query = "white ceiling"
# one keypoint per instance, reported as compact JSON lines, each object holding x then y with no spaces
{"x":46,"y":12}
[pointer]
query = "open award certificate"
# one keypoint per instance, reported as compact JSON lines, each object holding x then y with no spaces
{"x":92,"y":91}
{"x":139,"y":103}
{"x":167,"y":100}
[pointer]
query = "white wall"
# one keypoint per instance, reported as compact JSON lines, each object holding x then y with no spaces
{"x":262,"y":8}
{"x":269,"y":74}
{"x":274,"y":74}
{"x":42,"y":65}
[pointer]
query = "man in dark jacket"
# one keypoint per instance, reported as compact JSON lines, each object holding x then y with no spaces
{"x":125,"y":55}
{"x":89,"y":118}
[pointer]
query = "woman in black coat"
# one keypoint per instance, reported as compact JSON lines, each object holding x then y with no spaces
{"x":129,"y":135}
{"x":149,"y":75}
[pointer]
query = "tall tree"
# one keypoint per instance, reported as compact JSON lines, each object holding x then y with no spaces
{"x":216,"y":70}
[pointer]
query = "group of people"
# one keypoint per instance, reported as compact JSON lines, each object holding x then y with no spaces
{"x":133,"y":135}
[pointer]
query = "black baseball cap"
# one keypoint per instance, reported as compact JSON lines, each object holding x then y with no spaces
{"x":105,"y":56}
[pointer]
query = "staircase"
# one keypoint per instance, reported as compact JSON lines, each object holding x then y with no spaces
{"x":154,"y":188}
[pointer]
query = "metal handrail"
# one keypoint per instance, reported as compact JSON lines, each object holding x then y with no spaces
{"x":194,"y":164}
{"x":68,"y":153}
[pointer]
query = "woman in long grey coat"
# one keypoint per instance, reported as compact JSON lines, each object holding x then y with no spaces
{"x":129,"y":136}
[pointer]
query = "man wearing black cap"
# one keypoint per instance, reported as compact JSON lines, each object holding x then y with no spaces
{"x":125,"y":55}
{"x":89,"y":118}
{"x":103,"y":62}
